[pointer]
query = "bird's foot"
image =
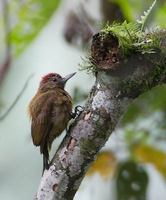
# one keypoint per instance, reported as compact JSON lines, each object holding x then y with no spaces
{"x":77,"y":111}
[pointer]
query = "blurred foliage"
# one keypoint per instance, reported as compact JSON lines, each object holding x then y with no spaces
{"x":149,"y":154}
{"x":146,"y":130}
{"x":144,"y":127}
{"x":160,"y":17}
{"x":146,"y":104}
{"x":105,"y":165}
{"x":112,"y":11}
{"x":26,"y":19}
{"x":132,"y":181}
{"x":125,"y":7}
{"x":133,"y":9}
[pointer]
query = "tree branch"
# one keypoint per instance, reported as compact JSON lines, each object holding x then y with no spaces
{"x":119,"y":80}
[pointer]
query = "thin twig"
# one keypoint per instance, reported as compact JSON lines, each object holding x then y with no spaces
{"x":17,"y":98}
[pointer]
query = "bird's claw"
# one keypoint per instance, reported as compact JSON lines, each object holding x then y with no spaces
{"x":77,"y":111}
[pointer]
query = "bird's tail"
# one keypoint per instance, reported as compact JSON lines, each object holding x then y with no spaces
{"x":45,"y":158}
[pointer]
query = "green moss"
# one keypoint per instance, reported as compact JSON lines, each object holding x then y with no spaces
{"x":160,"y":70}
{"x":126,"y":33}
{"x":131,"y":38}
{"x":87,"y":65}
{"x":133,"y":88}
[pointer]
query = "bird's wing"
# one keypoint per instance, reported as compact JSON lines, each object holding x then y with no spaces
{"x":42,"y":124}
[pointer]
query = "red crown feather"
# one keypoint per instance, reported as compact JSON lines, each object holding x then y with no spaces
{"x":48,"y":76}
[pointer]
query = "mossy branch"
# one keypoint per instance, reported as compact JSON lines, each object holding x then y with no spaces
{"x":119,"y":80}
{"x":130,"y":37}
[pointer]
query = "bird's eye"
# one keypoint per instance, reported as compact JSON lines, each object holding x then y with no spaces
{"x":54,"y":80}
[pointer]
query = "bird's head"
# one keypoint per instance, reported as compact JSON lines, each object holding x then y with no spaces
{"x":54,"y":80}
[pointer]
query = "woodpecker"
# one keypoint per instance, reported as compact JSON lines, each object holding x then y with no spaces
{"x":50,"y":111}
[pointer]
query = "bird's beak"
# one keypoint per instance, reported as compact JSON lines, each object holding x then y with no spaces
{"x":66,"y":78}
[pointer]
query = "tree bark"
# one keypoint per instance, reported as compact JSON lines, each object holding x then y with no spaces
{"x":119,"y":80}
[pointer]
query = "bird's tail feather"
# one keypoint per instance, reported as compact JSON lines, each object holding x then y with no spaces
{"x":45,"y":158}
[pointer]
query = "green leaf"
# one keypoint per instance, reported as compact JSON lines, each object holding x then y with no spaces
{"x":144,"y":17}
{"x":27,"y":18}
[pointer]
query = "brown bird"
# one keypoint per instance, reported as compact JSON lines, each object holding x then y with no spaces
{"x":50,"y":111}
